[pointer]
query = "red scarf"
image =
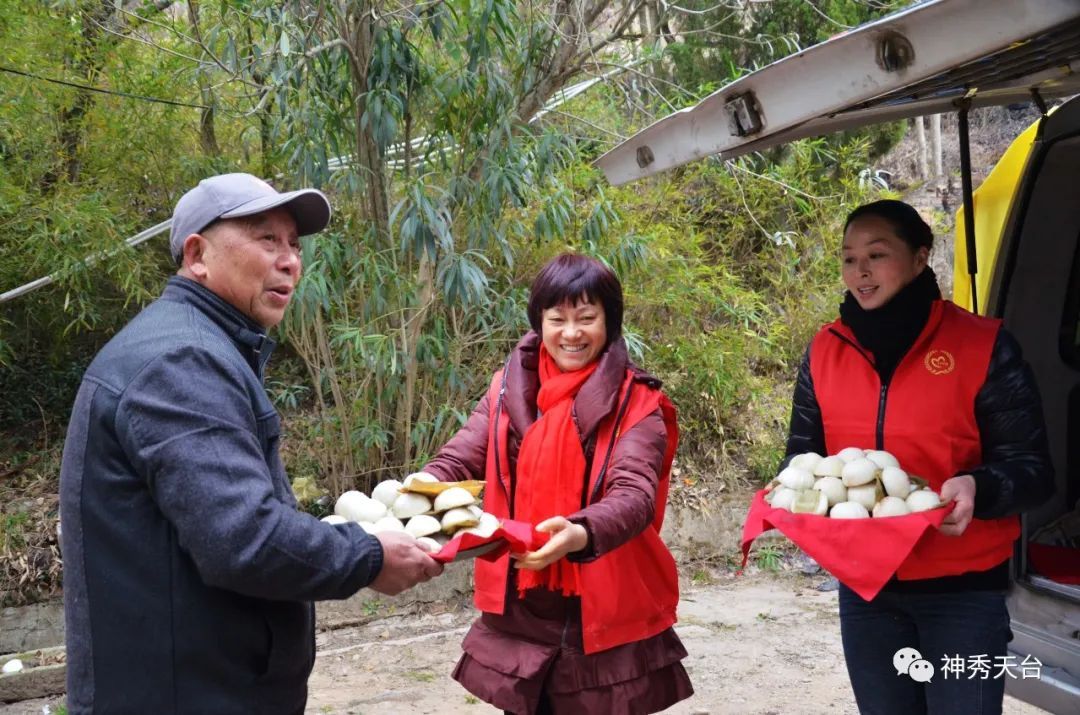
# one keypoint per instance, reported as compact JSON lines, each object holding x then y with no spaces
{"x":551,"y":468}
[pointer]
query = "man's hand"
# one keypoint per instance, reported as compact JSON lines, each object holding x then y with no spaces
{"x":960,"y":489}
{"x":568,"y":538}
{"x":405,"y":564}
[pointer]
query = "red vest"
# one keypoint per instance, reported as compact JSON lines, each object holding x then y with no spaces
{"x":629,"y":593}
{"x":925,"y":417}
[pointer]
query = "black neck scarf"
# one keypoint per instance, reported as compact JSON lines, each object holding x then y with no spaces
{"x":889,"y":331}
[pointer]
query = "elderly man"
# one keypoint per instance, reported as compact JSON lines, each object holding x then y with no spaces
{"x":188,"y":571}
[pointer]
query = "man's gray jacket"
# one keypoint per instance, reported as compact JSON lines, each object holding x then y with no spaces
{"x":188,"y":570}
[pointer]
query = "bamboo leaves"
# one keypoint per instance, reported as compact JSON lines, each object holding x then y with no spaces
{"x":554,"y":217}
{"x":463,"y":280}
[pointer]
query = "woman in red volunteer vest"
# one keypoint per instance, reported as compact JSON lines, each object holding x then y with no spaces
{"x":576,"y":439}
{"x":948,"y":393}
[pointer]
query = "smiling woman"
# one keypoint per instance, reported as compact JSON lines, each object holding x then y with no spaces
{"x":574,"y":334}
{"x":886,"y":246}
{"x":947,"y":393}
{"x":576,"y":306}
{"x":573,"y":438}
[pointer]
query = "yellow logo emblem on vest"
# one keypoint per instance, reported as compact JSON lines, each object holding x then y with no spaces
{"x":939,"y":362}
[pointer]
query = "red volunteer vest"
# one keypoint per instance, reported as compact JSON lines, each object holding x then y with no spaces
{"x":925,"y":417}
{"x":629,"y":593}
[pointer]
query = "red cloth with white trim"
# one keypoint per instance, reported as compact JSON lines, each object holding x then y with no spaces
{"x":512,"y":536}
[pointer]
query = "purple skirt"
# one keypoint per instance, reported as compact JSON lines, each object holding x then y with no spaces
{"x":536,"y":647}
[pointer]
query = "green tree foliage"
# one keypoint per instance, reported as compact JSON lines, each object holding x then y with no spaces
{"x":451,"y":183}
{"x":720,"y":41}
{"x":76,"y":179}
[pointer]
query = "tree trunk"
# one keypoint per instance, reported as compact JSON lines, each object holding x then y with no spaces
{"x":411,"y":332}
{"x":207,"y":135}
{"x":70,"y":138}
{"x":650,"y":31}
{"x":82,"y":58}
{"x":377,"y":204}
{"x":570,"y":31}
{"x":265,"y":144}
{"x":935,"y":142}
{"x":359,"y":32}
{"x":266,"y":148}
{"x":923,"y":154}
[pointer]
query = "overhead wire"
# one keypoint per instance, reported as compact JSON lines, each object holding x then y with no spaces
{"x":100,"y":90}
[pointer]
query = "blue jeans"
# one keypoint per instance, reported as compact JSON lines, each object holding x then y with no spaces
{"x":969,"y":628}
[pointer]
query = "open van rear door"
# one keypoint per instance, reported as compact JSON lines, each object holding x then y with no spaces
{"x":921,"y":60}
{"x":1035,"y":289}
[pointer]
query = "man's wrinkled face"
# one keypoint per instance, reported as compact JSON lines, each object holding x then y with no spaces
{"x":252,"y":263}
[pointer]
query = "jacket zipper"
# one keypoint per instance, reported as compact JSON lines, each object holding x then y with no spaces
{"x":607,"y":456}
{"x":585,"y":496}
{"x":498,"y":471}
{"x":879,"y":436}
{"x":879,"y":429}
{"x":590,"y":449}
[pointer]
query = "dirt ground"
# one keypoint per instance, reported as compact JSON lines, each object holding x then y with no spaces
{"x":761,"y":643}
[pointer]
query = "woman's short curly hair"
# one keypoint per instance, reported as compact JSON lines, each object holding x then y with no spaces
{"x":573,"y":278}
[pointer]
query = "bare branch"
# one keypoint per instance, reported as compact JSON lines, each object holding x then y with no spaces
{"x":738,"y":165}
{"x":746,"y":205}
{"x":336,"y":42}
{"x":706,"y":11}
{"x":145,"y":20}
{"x":586,"y":122}
{"x":214,"y":59}
{"x":156,"y":46}
{"x":615,"y":34}
{"x":633,"y":70}
{"x":825,"y":16}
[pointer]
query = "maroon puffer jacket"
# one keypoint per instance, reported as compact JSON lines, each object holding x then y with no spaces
{"x":630,"y":485}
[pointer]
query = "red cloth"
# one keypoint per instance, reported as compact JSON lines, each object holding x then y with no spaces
{"x":863,"y":554}
{"x":550,"y":468}
{"x":1057,"y":563}
{"x":512,"y":536}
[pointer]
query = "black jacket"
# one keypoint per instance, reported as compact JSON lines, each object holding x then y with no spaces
{"x":188,"y":570}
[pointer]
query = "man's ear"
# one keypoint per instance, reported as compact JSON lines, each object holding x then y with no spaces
{"x":193,"y":257}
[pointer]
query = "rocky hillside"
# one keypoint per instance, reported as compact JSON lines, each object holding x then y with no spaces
{"x":938,"y":198}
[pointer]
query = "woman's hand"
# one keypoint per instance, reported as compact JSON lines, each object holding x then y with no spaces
{"x":960,"y":489}
{"x":567,"y":538}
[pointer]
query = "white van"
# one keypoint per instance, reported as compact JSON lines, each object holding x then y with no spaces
{"x":943,"y":56}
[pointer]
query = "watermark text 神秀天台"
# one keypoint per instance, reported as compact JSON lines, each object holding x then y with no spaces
{"x":985,"y":667}
{"x":910,"y":662}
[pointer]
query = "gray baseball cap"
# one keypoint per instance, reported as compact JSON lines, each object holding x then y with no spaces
{"x":237,"y":195}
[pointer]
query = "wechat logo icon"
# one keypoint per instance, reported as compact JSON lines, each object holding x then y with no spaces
{"x":910,"y":662}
